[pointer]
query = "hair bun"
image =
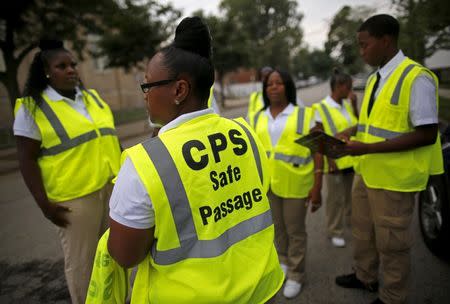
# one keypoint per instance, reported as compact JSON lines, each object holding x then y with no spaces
{"x":50,"y":44}
{"x":192,"y":35}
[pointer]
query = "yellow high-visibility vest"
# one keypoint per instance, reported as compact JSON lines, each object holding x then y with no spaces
{"x":78,"y":156}
{"x":405,"y":171}
{"x":214,"y":235}
{"x":291,"y":165}
{"x":255,"y":103}
{"x":211,"y":96}
{"x":333,"y":122}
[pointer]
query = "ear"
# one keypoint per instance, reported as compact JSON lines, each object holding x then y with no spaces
{"x":182,"y":90}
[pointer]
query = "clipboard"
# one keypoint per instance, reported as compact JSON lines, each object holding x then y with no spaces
{"x":318,"y":141}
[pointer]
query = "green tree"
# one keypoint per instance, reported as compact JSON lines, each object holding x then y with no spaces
{"x":312,"y":63}
{"x":342,"y":45}
{"x":271,"y":29}
{"x":128,"y":30}
{"x":228,"y":50}
{"x":425,"y":27}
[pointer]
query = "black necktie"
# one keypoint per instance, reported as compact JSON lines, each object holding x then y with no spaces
{"x":372,"y":94}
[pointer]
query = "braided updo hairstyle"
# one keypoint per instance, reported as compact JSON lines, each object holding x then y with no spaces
{"x":191,"y":53}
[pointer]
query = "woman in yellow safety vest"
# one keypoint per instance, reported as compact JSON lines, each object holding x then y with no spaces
{"x":294,"y":182}
{"x":189,"y":206}
{"x":335,"y":114}
{"x":68,"y":154}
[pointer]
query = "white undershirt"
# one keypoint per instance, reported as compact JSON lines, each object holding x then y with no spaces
{"x":130,"y":204}
{"x":422,"y":109}
{"x":24,"y":124}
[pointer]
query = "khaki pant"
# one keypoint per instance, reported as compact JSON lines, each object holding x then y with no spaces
{"x":290,"y":234}
{"x":381,"y":222}
{"x":88,"y":221}
{"x":338,"y":202}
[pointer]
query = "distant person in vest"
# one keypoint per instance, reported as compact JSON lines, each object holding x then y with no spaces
{"x":399,"y":147}
{"x":335,"y":114}
{"x":256,"y":101}
{"x":293,"y":179}
{"x":190,"y":206}
{"x":68,"y":153}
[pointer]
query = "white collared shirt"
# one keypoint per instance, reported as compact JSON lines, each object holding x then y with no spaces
{"x":24,"y":124}
{"x":130,"y":204}
{"x":422,"y":109}
{"x":332,"y":103}
{"x":277,"y":124}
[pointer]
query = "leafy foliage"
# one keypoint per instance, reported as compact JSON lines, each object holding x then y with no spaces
{"x":342,"y":44}
{"x":271,"y":29}
{"x":128,"y":30}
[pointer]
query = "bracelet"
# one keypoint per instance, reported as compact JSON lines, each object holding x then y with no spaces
{"x":318,"y":171}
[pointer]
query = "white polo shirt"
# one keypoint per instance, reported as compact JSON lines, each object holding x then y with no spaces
{"x":276,"y":125}
{"x":130,"y":204}
{"x":422,"y":109}
{"x":24,"y":124}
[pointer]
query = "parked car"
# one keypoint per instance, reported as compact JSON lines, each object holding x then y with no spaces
{"x":434,"y":205}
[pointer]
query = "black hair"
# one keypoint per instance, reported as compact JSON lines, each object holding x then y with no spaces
{"x":264,"y":69}
{"x":289,"y":87}
{"x":191,"y":53}
{"x":380,"y":25}
{"x":339,"y":77}
{"x":37,"y":80}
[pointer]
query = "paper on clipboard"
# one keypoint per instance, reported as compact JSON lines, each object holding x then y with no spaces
{"x":321,"y":142}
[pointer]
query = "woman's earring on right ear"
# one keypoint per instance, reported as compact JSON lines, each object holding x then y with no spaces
{"x":177,"y":102}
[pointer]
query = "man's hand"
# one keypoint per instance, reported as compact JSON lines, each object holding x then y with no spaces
{"x":353,"y":148}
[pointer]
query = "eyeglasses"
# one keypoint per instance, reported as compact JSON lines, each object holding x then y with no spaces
{"x":146,"y":86}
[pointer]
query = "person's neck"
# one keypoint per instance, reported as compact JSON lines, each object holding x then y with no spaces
{"x":277,"y":108}
{"x":336,"y":98}
{"x":67,"y":93}
{"x":389,"y":55}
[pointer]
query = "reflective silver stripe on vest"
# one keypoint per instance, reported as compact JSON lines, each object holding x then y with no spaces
{"x":329,"y":119}
{"x":300,"y":118}
{"x":255,"y":121}
{"x":107,"y":131}
{"x":53,"y":119}
{"x":95,"y":98}
{"x":396,"y":95}
{"x":190,"y":245}
{"x":296,"y":160}
{"x":67,"y":143}
{"x":254,"y":149}
{"x":360,"y":128}
{"x":387,"y":134}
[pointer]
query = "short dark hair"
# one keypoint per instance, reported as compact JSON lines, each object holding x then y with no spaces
{"x":339,"y":77}
{"x":289,"y":87}
{"x":380,"y":25}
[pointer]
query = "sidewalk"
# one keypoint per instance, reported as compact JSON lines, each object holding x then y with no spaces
{"x":8,"y":157}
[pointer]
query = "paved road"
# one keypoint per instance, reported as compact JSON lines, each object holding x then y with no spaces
{"x":31,"y":267}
